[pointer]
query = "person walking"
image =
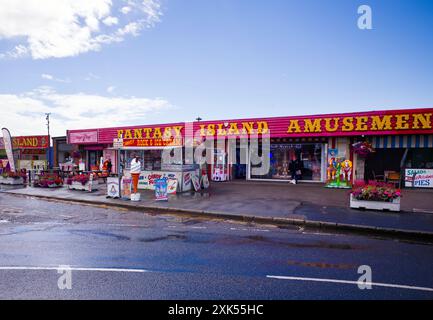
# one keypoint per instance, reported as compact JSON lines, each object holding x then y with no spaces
{"x":295,"y":168}
{"x":109,"y":166}
{"x":135,"y":172}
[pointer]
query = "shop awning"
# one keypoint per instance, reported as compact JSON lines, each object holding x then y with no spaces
{"x":404,"y":141}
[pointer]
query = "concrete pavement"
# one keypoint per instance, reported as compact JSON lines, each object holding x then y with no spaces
{"x":310,"y":205}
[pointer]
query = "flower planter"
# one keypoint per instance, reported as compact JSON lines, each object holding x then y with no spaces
{"x":11,"y":181}
{"x":89,"y":186}
{"x":375,"y":205}
{"x":55,"y":186}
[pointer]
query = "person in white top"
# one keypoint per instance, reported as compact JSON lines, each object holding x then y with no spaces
{"x":135,"y":172}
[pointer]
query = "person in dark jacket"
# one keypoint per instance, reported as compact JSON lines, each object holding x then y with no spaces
{"x":109,"y":166}
{"x":295,"y":168}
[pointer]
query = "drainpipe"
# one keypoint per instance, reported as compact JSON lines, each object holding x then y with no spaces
{"x":403,"y":160}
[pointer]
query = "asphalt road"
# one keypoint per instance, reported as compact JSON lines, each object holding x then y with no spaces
{"x":119,"y":254}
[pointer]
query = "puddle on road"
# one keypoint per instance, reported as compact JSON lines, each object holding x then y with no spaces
{"x":180,"y":237}
{"x":322,"y":265}
{"x":99,"y":233}
{"x":190,"y":222}
{"x":10,"y":210}
{"x":269,"y":241}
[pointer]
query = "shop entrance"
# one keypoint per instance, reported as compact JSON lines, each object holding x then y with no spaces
{"x":309,"y":162}
{"x":94,"y":158}
{"x":383,"y":160}
{"x":240,"y":167}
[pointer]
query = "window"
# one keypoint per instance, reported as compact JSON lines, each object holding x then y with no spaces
{"x":420,"y":158}
{"x":309,"y":155}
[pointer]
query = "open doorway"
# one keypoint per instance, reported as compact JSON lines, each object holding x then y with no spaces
{"x":383,"y":160}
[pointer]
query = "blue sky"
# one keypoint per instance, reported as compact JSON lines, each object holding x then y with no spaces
{"x":216,"y":59}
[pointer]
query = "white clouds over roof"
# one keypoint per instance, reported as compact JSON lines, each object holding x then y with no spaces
{"x":72,"y":111}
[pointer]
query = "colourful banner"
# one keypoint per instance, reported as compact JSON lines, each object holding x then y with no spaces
{"x":161,"y":190}
{"x":7,"y":140}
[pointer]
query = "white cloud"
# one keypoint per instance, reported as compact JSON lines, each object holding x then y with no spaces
{"x":65,"y":28}
{"x":23,"y":114}
{"x":52,"y":78}
{"x":110,"y":89}
{"x":109,"y":21}
{"x":125,"y":10}
{"x":91,"y":76}
{"x":47,"y":76}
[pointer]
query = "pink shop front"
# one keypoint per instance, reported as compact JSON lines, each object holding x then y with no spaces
{"x":148,"y":142}
{"x":89,"y":150}
{"x":327,"y":147}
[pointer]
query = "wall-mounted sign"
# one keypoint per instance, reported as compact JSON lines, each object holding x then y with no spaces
{"x":159,"y":142}
{"x":385,"y":122}
{"x":414,"y":121}
{"x":148,"y":179}
{"x":28,"y":142}
{"x":32,"y":142}
{"x":149,"y":133}
{"x":118,"y":143}
{"x":418,"y":178}
{"x":83,"y":137}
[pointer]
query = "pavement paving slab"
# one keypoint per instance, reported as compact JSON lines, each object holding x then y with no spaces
{"x":311,"y":202}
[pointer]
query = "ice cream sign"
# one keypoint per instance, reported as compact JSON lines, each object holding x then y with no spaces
{"x":418,"y":178}
{"x":151,"y":136}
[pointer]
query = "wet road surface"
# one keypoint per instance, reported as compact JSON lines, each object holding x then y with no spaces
{"x":120,"y":254}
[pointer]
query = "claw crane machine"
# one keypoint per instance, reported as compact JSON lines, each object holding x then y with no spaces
{"x":220,"y":167}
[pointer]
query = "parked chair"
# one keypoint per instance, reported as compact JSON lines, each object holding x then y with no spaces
{"x":378,"y":177}
{"x":393,"y":177}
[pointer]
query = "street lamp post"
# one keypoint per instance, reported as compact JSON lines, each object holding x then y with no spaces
{"x":49,"y":139}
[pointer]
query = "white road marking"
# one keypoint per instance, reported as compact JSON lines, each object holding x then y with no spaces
{"x":378,"y":284}
{"x":422,"y":210}
{"x":74,"y":269}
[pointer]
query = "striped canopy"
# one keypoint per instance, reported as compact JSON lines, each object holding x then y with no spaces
{"x":408,"y":141}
